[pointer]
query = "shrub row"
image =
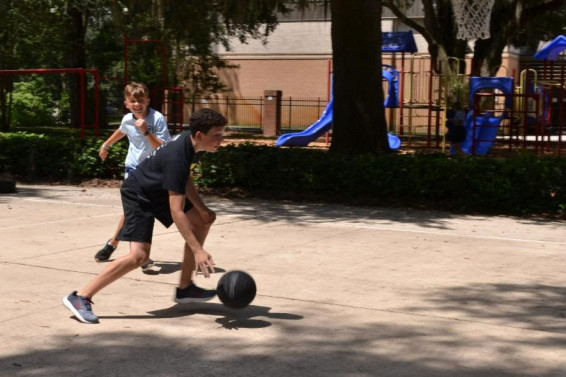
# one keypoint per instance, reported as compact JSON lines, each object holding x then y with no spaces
{"x":521,"y":185}
{"x":30,"y":156}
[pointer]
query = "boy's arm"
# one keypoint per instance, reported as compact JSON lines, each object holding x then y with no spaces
{"x":194,"y":197}
{"x":103,"y":151}
{"x":161,"y":132}
{"x":203,"y":260}
{"x":153,"y":140}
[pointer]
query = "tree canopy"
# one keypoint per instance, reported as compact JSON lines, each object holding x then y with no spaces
{"x":90,"y":33}
{"x":87,"y":34}
{"x":513,"y":22}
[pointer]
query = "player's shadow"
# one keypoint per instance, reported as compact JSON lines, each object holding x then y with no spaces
{"x":168,"y":267}
{"x":251,"y":317}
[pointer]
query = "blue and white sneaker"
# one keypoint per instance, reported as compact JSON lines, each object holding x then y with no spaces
{"x":193,"y":294}
{"x":81,"y":307}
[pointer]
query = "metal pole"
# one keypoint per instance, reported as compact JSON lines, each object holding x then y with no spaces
{"x":125,"y":59}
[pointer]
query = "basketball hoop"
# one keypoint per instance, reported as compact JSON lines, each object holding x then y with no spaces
{"x":472,"y":18}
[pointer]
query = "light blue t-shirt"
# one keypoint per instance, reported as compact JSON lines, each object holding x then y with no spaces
{"x":139,"y":147}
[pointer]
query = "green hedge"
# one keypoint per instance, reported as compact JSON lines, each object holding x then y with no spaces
{"x":521,"y":185}
{"x":30,"y":156}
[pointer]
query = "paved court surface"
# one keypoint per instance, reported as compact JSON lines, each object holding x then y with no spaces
{"x":342,"y":291}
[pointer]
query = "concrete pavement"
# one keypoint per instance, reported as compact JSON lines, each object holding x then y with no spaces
{"x":342,"y":291}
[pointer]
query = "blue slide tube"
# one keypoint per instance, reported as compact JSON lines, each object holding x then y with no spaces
{"x":317,"y":129}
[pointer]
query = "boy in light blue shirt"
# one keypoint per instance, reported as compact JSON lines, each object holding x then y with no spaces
{"x":146,"y":130}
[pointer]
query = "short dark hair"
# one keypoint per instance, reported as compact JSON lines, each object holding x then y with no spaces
{"x":204,"y":119}
{"x":136,"y":90}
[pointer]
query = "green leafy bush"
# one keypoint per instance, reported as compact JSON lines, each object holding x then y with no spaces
{"x":31,"y":105}
{"x":520,"y":185}
{"x":523,"y":184}
{"x":30,"y":156}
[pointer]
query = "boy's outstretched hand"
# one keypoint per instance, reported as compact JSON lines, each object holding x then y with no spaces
{"x":102,"y":153}
{"x":204,"y":263}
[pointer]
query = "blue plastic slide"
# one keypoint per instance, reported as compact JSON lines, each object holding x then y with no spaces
{"x":313,"y":132}
{"x":317,"y":129}
{"x":486,"y":131}
{"x":487,"y":125}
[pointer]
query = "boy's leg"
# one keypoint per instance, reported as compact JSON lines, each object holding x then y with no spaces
{"x":187,"y":291}
{"x":139,"y":254}
{"x":113,"y":241}
{"x":104,"y":254}
{"x":79,"y":303}
{"x":200,"y":230}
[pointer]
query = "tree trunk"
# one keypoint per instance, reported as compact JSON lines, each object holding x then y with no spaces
{"x":4,"y":123}
{"x":359,"y":124}
{"x":487,"y":56}
{"x":505,"y":18}
{"x":76,"y":57}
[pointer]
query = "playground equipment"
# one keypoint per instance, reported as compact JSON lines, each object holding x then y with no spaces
{"x":391,"y":75}
{"x":481,"y":129}
{"x":317,"y":129}
{"x":553,"y":49}
{"x":324,"y":123}
{"x":394,"y":42}
{"x":170,"y":100}
{"x":552,"y":85}
{"x":531,"y":115}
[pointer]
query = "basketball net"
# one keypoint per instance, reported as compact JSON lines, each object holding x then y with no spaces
{"x":472,"y":18}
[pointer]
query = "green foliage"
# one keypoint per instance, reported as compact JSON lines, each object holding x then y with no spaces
{"x":520,"y":185}
{"x":39,"y":157}
{"x":32,"y":106}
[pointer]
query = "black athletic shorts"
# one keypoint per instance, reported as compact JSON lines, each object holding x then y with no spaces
{"x":139,"y":218}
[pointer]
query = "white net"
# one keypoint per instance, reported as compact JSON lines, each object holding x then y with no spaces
{"x":472,"y":18}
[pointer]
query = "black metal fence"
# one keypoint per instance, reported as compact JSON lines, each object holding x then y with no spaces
{"x":299,"y":113}
{"x":245,"y":114}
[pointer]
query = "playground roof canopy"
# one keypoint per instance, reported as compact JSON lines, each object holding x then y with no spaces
{"x":552,"y":49}
{"x":401,"y":41}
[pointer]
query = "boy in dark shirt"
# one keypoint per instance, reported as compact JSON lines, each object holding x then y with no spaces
{"x":162,"y":188}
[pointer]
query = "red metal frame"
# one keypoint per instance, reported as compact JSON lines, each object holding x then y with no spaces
{"x":178,"y":116}
{"x":81,"y":72}
{"x":163,"y":51}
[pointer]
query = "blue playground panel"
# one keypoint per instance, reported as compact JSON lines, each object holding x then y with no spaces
{"x":486,"y":125}
{"x":503,"y":84}
{"x":399,"y":41}
{"x":390,"y":74}
{"x":552,"y":49}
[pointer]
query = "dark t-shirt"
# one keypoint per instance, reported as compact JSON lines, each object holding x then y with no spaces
{"x":166,"y":169}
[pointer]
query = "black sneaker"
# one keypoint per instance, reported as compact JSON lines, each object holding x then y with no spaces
{"x":81,"y":307}
{"x":147,"y":266}
{"x":193,"y":294}
{"x":104,"y":254}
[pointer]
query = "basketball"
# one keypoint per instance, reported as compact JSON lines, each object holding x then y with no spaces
{"x":236,"y":289}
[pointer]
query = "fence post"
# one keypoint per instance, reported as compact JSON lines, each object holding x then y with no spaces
{"x":271,"y":122}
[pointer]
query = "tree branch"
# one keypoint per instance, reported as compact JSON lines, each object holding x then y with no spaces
{"x":407,"y":21}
